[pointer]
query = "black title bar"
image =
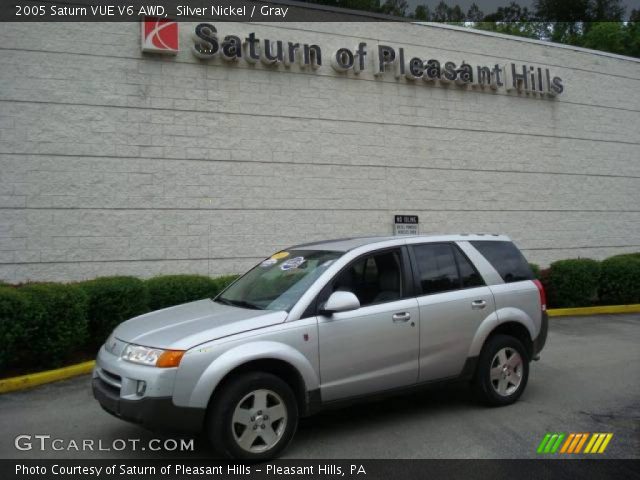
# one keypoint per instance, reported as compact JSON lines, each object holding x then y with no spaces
{"x":185,"y":10}
{"x":326,"y":469}
{"x":260,"y":11}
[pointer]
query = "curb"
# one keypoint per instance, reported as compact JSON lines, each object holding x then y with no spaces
{"x":571,"y":312}
{"x":40,"y":378}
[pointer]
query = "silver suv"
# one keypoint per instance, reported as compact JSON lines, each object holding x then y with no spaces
{"x":323,"y":323}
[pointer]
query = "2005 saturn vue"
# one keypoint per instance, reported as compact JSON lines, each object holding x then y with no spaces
{"x":322,"y":323}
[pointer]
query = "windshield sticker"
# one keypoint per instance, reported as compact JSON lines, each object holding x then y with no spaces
{"x":280,"y":255}
{"x":268,"y":262}
{"x":292,"y":263}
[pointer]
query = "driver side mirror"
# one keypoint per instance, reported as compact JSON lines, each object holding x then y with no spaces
{"x":340,"y":302}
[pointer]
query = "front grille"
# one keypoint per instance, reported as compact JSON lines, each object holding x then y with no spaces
{"x":110,"y":380}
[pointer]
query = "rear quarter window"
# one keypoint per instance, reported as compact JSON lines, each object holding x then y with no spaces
{"x":506,"y":259}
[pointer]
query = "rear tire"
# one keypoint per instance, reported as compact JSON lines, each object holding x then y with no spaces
{"x":502,"y":372}
{"x":253,"y":417}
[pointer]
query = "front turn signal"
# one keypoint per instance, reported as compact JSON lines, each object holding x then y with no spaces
{"x":169,"y":358}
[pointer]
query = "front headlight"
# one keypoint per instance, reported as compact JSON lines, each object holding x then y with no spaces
{"x":154,"y":357}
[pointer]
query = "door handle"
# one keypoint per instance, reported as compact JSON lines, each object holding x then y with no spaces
{"x":478,"y":304}
{"x":401,"y":317}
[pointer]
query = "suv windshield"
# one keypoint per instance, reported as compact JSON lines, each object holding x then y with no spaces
{"x":279,"y":281}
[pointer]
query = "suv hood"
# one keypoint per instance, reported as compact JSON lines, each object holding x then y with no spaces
{"x":185,"y":326}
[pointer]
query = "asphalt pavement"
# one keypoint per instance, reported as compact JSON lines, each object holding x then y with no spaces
{"x":588,"y":380}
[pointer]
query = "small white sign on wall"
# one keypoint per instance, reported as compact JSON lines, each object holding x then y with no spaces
{"x":405,"y":225}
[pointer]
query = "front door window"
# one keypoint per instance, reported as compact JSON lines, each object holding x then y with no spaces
{"x":373,"y":279}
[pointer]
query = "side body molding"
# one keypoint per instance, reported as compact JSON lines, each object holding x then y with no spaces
{"x":244,"y":353}
{"x":483,"y":331}
{"x":500,"y":316}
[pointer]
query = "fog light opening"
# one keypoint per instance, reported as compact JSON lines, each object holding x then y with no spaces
{"x":141,"y":388}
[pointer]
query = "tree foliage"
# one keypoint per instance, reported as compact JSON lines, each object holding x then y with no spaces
{"x":595,"y":24}
{"x":474,"y":14}
{"x":395,"y":7}
{"x":422,"y":13}
{"x":632,"y":35}
{"x":609,"y":36}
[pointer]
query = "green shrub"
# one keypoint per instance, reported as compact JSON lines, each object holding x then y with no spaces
{"x":56,"y":321}
{"x":620,"y":280}
{"x":572,"y":283}
{"x":169,"y":290}
{"x":535,"y":268}
{"x":628,"y":255}
{"x":112,"y":300}
{"x":13,"y":311}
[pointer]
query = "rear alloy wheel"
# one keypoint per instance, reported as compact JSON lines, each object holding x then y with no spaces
{"x":506,"y":371}
{"x":503,"y":371}
{"x":253,"y":417}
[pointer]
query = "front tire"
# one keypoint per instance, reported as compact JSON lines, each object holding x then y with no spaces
{"x":503,"y":371}
{"x":253,"y":417}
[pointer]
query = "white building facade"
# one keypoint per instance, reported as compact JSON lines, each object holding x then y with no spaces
{"x":119,"y":161}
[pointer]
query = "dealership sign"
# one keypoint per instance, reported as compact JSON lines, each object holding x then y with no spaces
{"x":161,"y":36}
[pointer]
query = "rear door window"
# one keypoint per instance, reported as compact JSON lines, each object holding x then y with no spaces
{"x":469,"y":276}
{"x":437,"y":270}
{"x":506,"y":259}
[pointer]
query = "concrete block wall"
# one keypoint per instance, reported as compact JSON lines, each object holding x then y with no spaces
{"x":118,"y":162}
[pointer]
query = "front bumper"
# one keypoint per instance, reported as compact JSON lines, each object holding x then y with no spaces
{"x":154,"y":413}
{"x":116,"y":387}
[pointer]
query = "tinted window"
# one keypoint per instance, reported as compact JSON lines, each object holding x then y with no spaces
{"x":373,"y":279}
{"x":370,"y":270}
{"x":468,"y":274}
{"x":506,"y":259}
{"x":437,"y":269}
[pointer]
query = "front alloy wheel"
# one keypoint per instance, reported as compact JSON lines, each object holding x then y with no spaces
{"x":259,"y":421}
{"x":253,"y":416}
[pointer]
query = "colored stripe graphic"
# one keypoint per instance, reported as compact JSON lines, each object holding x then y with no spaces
{"x":550,"y":443}
{"x":594,"y":437}
{"x":581,"y":442}
{"x":556,"y":445}
{"x":568,"y":442}
{"x":603,"y":447}
{"x":578,"y":441}
{"x":598,"y":443}
{"x":572,"y":443}
{"x":543,"y":443}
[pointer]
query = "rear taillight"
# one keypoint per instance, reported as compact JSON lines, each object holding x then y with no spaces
{"x":543,"y":295}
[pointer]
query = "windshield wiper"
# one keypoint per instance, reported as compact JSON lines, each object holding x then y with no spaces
{"x":238,"y":303}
